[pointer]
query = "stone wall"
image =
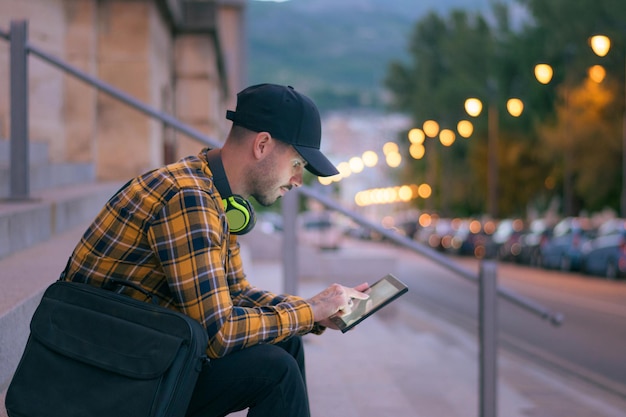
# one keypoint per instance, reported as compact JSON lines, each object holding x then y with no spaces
{"x":135,"y":46}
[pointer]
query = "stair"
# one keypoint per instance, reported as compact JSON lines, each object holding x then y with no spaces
{"x":36,"y":238}
{"x":43,"y":174}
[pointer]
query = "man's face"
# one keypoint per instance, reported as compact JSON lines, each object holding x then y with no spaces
{"x":277,"y":174}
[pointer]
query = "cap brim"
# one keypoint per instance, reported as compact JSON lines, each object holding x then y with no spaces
{"x":317,"y":163}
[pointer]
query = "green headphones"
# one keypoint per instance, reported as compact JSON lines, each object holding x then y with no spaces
{"x":239,"y":211}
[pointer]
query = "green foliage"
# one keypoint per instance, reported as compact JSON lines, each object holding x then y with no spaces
{"x":570,"y":129}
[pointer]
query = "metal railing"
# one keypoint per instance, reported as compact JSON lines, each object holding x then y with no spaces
{"x":486,"y":279}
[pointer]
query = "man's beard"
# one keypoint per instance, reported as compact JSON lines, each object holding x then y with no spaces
{"x":263,"y":183}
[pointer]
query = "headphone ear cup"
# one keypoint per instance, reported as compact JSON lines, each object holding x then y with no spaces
{"x":240,"y":215}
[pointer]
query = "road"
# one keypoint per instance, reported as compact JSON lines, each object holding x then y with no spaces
{"x":591,"y":342}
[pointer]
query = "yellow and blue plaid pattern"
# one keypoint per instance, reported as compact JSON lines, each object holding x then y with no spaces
{"x":167,"y":231}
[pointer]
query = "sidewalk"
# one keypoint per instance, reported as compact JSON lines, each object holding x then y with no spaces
{"x":405,"y":362}
{"x":402,"y":362}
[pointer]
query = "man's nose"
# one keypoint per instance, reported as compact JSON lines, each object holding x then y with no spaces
{"x":296,"y":180}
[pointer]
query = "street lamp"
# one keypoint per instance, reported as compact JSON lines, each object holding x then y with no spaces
{"x":543,"y":74}
{"x":473,"y":107}
{"x":601,"y":45}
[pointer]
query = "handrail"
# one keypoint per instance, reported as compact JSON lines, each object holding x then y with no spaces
{"x":555,"y":319}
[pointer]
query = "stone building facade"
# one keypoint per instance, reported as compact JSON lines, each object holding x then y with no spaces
{"x":183,"y":57}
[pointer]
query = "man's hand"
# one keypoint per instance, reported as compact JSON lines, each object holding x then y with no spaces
{"x":334,"y":299}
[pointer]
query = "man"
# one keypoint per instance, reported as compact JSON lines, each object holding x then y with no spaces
{"x":174,"y":231}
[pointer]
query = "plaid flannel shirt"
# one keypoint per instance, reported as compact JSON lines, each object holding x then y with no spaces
{"x":167,"y":231}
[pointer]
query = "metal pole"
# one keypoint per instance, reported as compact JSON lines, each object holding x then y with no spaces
{"x":290,"y":242}
{"x":623,"y":195}
{"x":492,"y":165}
{"x":19,"y":164}
{"x":568,"y":160}
{"x":488,"y":339}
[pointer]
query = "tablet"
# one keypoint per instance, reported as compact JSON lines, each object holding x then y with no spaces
{"x":381,"y":293}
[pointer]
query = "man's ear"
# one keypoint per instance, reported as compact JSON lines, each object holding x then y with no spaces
{"x":263,"y":144}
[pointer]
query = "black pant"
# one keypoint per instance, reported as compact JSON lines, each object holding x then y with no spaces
{"x":268,"y":379}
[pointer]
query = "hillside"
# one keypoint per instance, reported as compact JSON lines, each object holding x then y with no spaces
{"x":336,"y":51}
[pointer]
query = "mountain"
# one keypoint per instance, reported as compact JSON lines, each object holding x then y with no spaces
{"x":337,"y":51}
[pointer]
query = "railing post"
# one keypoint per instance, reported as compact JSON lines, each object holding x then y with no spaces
{"x":290,"y":242}
{"x":488,"y":325}
{"x":19,"y":164}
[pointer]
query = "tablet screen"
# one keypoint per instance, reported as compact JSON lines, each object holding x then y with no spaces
{"x":381,"y":293}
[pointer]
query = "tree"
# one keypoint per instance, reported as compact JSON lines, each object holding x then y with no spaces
{"x":587,"y":131}
{"x":461,"y":55}
{"x":455,"y":58}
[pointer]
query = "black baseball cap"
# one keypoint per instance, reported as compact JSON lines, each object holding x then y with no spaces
{"x":288,"y":116}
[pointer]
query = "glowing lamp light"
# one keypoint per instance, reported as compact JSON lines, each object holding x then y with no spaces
{"x":344,"y":169}
{"x":424,"y":190}
{"x":515,"y":106}
{"x":597,"y":73}
{"x":390,"y":147}
{"x":447,"y":137}
{"x":416,"y":135}
{"x":431,"y":128}
{"x":370,"y":158}
{"x":417,"y":150}
{"x":325,"y":180}
{"x":393,"y":159}
{"x":543,"y":73}
{"x":473,"y":106}
{"x":404,"y":193}
{"x":600,"y":44}
{"x":465,"y":128}
{"x":356,"y":164}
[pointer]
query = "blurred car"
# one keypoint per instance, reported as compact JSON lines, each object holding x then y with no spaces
{"x":563,"y":250}
{"x":505,"y":240}
{"x":605,"y":255}
{"x":470,"y":239}
{"x":530,"y":243}
{"x":320,"y":229}
{"x":440,"y":236}
{"x":270,"y":222}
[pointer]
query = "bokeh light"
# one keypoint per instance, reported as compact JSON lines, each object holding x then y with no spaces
{"x":431,"y":128}
{"x":465,"y":128}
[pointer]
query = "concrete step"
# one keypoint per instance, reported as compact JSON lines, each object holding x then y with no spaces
{"x":24,"y":277}
{"x":36,"y":238}
{"x":37,"y":151}
{"x":42,"y":173}
{"x":51,"y":211}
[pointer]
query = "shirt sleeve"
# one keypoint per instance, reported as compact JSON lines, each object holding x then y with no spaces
{"x":207,"y":282}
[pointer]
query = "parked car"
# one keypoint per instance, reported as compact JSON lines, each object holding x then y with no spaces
{"x":605,"y":255}
{"x":563,"y":250}
{"x":530,"y":243}
{"x":320,"y":229}
{"x":270,"y":221}
{"x":505,"y":240}
{"x":438,"y":234}
{"x":470,"y":239}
